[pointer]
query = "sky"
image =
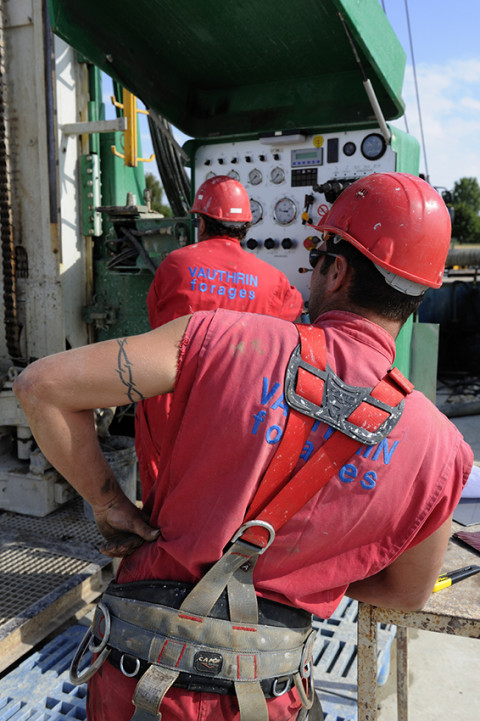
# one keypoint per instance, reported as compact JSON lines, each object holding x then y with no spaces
{"x":446,"y":50}
{"x":445,"y":53}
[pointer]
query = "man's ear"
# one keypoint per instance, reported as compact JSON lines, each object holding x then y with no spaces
{"x":200,"y":227}
{"x":338,"y":273}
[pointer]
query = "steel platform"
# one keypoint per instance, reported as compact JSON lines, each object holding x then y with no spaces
{"x":51,"y":570}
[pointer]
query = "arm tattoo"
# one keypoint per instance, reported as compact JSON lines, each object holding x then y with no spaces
{"x":124,"y":371}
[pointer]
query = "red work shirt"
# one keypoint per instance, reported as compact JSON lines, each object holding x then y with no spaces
{"x":218,"y":273}
{"x":215,"y":273}
{"x":227,"y":417}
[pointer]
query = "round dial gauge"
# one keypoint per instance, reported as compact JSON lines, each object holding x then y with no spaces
{"x":285,"y":211}
{"x":373,"y":146}
{"x":233,"y":174}
{"x":209,"y":175}
{"x":277,"y":175}
{"x":257,"y":211}
{"x":255,"y":177}
{"x":349,"y":148}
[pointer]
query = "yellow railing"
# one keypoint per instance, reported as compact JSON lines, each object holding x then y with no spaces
{"x":130,"y":135}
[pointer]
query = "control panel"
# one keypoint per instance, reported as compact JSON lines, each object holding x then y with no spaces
{"x":291,"y":181}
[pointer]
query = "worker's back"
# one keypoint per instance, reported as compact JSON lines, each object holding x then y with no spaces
{"x":227,"y":418}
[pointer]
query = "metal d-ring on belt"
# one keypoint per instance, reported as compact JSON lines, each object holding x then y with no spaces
{"x":313,"y":392}
{"x":87,"y":642}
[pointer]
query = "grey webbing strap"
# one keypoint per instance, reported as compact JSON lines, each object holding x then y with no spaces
{"x":235,"y":572}
{"x":243,"y":606}
{"x":205,"y":594}
{"x":251,"y":702}
{"x":242,"y":599}
{"x":149,"y":693}
{"x":162,"y":636}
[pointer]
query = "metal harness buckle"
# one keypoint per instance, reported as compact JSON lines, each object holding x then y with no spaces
{"x":287,"y":685}
{"x":78,"y":678}
{"x":339,"y":401}
{"x":129,"y":674}
{"x":249,"y":524}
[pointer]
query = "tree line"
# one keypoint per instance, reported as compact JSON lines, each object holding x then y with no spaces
{"x":464,"y":205}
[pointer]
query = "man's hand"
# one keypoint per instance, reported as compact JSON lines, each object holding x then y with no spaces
{"x":124,"y":527}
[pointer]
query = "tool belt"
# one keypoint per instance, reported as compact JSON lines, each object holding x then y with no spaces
{"x":171,"y":594}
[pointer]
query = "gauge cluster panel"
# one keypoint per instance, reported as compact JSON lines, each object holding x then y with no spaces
{"x":291,"y":181}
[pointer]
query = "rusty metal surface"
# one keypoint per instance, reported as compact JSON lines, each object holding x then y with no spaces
{"x":6,"y":223}
{"x":402,"y":674}
{"x":367,"y":663}
{"x":454,"y":610}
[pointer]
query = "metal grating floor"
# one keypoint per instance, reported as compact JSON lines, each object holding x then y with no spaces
{"x":335,"y":653}
{"x":28,"y":574}
{"x":67,"y":525}
{"x":50,"y":568}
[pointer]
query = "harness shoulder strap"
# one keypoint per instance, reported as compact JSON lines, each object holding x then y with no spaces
{"x":361,"y":413}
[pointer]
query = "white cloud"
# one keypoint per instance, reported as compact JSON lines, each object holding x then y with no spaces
{"x":450,"y":116}
{"x":471,"y":103}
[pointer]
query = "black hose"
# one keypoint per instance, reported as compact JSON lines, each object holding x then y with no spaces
{"x":174,"y":179}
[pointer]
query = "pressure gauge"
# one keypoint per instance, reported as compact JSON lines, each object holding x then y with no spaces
{"x":255,"y":177}
{"x":373,"y":146}
{"x":209,"y":175}
{"x":285,"y":211}
{"x":349,"y":149}
{"x":257,"y":211}
{"x":277,"y":175}
{"x":233,"y":174}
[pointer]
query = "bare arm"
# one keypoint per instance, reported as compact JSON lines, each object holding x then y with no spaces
{"x":408,"y":582}
{"x":59,"y":393}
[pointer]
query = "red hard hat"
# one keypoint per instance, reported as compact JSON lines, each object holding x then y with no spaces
{"x":397,"y":220}
{"x":223,"y":198}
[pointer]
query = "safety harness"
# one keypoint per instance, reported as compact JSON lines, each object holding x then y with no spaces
{"x":188,"y":639}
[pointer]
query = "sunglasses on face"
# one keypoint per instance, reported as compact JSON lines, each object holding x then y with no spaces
{"x":316,"y":253}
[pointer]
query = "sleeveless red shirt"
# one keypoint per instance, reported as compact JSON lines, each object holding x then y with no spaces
{"x":227,"y":416}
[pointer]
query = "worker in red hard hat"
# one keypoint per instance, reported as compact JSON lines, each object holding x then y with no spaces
{"x":397,"y":221}
{"x":299,"y":466}
{"x":217,"y":272}
{"x":214,"y":273}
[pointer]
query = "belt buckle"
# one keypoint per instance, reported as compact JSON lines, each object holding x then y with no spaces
{"x":287,"y":685}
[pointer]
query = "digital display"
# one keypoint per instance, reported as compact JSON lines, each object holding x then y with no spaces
{"x":307,"y":157}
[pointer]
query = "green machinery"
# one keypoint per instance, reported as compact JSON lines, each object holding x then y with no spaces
{"x":259,"y":87}
{"x":296,"y":98}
